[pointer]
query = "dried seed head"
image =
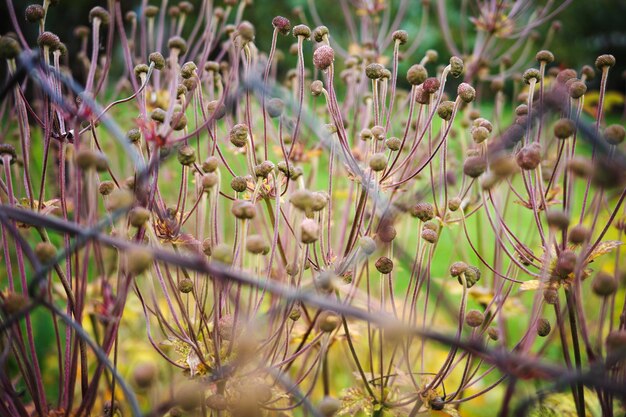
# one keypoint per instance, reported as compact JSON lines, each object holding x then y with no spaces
{"x":367,"y":245}
{"x":275,"y":107}
{"x":292,"y":269}
{"x":302,"y":31}
{"x":243,"y":209}
{"x":456,"y":66}
{"x":106,"y":187}
{"x":188,"y":69}
{"x":34,"y":13}
{"x":222,"y":253}
{"x":140,"y":69}
{"x":615,"y":342}
{"x":14,"y":302}
{"x":317,"y":88}
{"x":466,"y":92}
{"x":264,"y":169}
{"x":531,"y":74}
{"x":239,"y":184}
{"x":472,"y":276}
{"x":384,"y":265}
{"x":209,"y":181}
{"x":557,"y":219}
{"x":454,"y":204}
{"x":497,"y":84}
{"x":323,"y":57}
{"x":577,"y":89}
{"x":119,"y":199}
{"x":177,"y":43}
{"x":319,"y":33}
{"x":239,"y":135}
{"x":326,"y":281}
{"x":138,"y":216}
{"x":458,"y":268}
{"x":479,"y":134}
{"x":529,"y":157}
{"x":329,"y":406}
{"x":544,"y":56}
{"x":81,"y":32}
{"x":614,"y":134}
{"x":374,"y":71}
{"x":46,"y":39}
{"x":423,"y":211}
{"x":189,"y":396}
{"x":45,"y":252}
{"x":378,"y":162}
{"x":578,"y":234}
{"x":216,"y":402}
{"x":216,"y":109}
{"x":309,"y":231}
{"x":158,"y":115}
{"x":186,"y":155}
{"x":580,"y":166}
{"x":8,"y":150}
{"x":474,"y":318}
{"x":210,"y":164}
{"x":246,"y":31}
{"x":604,"y":284}
{"x":421,"y":96}
{"x":605,"y":61}
{"x":417,"y":74}
{"x":393,"y":143}
{"x":145,"y":374}
{"x":550,"y":295}
{"x":328,"y":321}
{"x":138,"y":260}
{"x":430,"y":235}
{"x":543,"y":327}
{"x":387,"y":233}
{"x":474,"y":166}
{"x":173,"y":12}
{"x":493,"y":333}
{"x":565,"y":75}
{"x":185,"y":7}
{"x":151,"y":11}
{"x":282,"y":24}
{"x":400,"y":36}
{"x":431,"y":85}
{"x":445,"y":110}
{"x":257,"y":245}
{"x":588,"y":72}
{"x":99,"y":13}
{"x":565,"y":263}
{"x":564,"y":128}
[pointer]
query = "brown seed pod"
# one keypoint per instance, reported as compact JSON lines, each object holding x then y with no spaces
{"x":416,"y":74}
{"x":282,"y":24}
{"x":328,"y":321}
{"x":309,"y":231}
{"x":543,"y":327}
{"x":239,"y":135}
{"x":45,"y":252}
{"x":243,"y":209}
{"x":384,"y":265}
{"x":564,"y":128}
{"x":529,"y":157}
{"x":474,"y":318}
{"x":578,"y":234}
{"x":458,"y":268}
{"x":604,"y":284}
{"x":145,"y":374}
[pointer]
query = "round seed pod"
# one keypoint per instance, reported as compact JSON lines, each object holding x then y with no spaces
{"x":81,"y":32}
{"x":173,"y":12}
{"x":257,"y":245}
{"x":302,"y":199}
{"x":454,"y":204}
{"x":222,"y":253}
{"x":393,"y":144}
{"x":14,"y":302}
{"x":550,"y":296}
{"x":543,"y":327}
{"x":323,"y":57}
{"x":45,"y":252}
{"x":365,"y":135}
{"x":264,"y":169}
{"x":295,"y":314}
{"x":421,"y":96}
{"x":119,"y":199}
{"x":604,"y":284}
{"x":34,"y":13}
{"x":456,"y":66}
{"x":431,"y":85}
{"x":239,"y":135}
{"x":605,"y":61}
{"x":378,"y":162}
{"x":292,"y":269}
{"x":302,"y":30}
{"x":185,"y":285}
{"x":493,"y":333}
{"x":309,"y":231}
{"x":578,"y":234}
{"x":367,"y":245}
{"x":217,"y":402}
{"x":474,"y":166}
{"x":6,"y":149}
{"x":282,"y":24}
{"x":239,"y":184}
{"x":565,"y":263}
{"x":157,"y":59}
{"x":472,"y":276}
{"x":178,"y":43}
{"x":185,"y":7}
{"x":458,"y":268}
{"x":384,"y":265}
{"x":529,"y":157}
{"x":400,"y":36}
{"x":378,"y":132}
{"x":243,"y":209}
{"x":326,"y":281}
{"x":577,"y":89}
{"x":216,"y":109}
{"x":186,"y":155}
{"x":479,"y":134}
{"x":99,"y":13}
{"x":374,"y":71}
{"x":210,"y":164}
{"x":437,"y":404}
{"x":564,"y":128}
{"x":474,"y":318}
{"x":188,"y":69}
{"x":151,"y":11}
{"x":275,"y":107}
{"x":134,"y":135}
{"x":416,"y":74}
{"x":466,"y":92}
{"x":565,"y":75}
{"x":246,"y":31}
{"x":544,"y":56}
{"x":317,"y":88}
{"x":615,"y":341}
{"x":329,"y":406}
{"x":319,"y":33}
{"x":531,"y":74}
{"x":445,"y":110}
{"x":140,"y":69}
{"x":158,"y":115}
{"x":106,"y":187}
{"x":423,"y":211}
{"x":138,"y":260}
{"x":558,"y":219}
{"x":145,"y":374}
{"x":189,"y":396}
{"x":138,"y":216}
{"x":432,"y":56}
{"x":430,"y":236}
{"x":580,"y":167}
{"x":46,"y":39}
{"x":614,"y":134}
{"x":328,"y":321}
{"x":179,"y":121}
{"x":588,"y":72}
{"x":497,"y":84}
{"x":209,"y":180}
{"x":387,"y":233}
